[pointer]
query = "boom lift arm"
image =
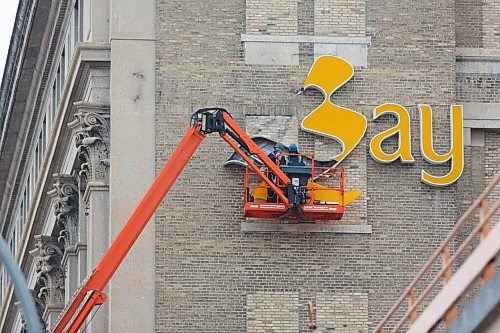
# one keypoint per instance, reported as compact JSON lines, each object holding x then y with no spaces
{"x":203,"y":122}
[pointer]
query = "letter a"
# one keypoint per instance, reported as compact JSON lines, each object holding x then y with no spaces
{"x":456,"y":153}
{"x":402,"y":129}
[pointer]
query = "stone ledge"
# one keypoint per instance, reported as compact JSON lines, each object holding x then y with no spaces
{"x":481,"y":115}
{"x":284,"y":50}
{"x":477,"y":54}
{"x":306,"y":227}
{"x":305,"y":39}
{"x":477,"y":61}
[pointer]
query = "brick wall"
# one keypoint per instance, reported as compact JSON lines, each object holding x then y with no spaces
{"x":339,"y":17}
{"x":491,"y":25}
{"x":283,"y":17}
{"x":492,"y":160}
{"x":469,"y":23}
{"x":282,"y":129}
{"x":478,"y":88}
{"x":272,"y":312}
{"x":342,"y":312}
{"x":208,"y":271}
{"x":271,"y":17}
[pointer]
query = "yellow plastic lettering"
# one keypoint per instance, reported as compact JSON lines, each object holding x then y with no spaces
{"x":327,"y":74}
{"x":456,"y":153}
{"x":402,"y":129}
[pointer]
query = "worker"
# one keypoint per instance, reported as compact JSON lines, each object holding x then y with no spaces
{"x":278,"y":148}
{"x":293,"y":158}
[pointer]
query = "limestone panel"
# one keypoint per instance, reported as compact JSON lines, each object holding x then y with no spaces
{"x":262,"y":53}
{"x":356,"y":54}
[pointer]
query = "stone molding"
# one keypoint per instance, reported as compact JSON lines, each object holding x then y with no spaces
{"x":91,"y":126}
{"x":306,"y":228}
{"x":481,"y":115}
{"x":66,"y":205}
{"x":477,"y":61}
{"x":306,"y":39}
{"x":50,"y":276}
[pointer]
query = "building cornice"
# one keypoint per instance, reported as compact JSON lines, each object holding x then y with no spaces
{"x":14,"y":61}
{"x":17,"y":94}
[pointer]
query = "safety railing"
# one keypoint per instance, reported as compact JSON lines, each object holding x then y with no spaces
{"x":325,"y":179}
{"x":479,"y":264}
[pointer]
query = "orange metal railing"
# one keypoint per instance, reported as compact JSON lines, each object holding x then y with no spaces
{"x":485,"y":272}
{"x":331,"y":178}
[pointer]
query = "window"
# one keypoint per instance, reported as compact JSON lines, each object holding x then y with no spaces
{"x":69,"y":40}
{"x":1,"y":287}
{"x":21,"y":211}
{"x":14,"y":241}
{"x":37,"y":162}
{"x":63,"y":68}
{"x":25,"y":201}
{"x":40,"y":150}
{"x":11,"y":247}
{"x":58,"y":86}
{"x":44,"y":133}
{"x":54,"y":101}
{"x":76,"y":23}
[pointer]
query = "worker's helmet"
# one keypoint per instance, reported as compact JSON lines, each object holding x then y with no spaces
{"x":293,"y":148}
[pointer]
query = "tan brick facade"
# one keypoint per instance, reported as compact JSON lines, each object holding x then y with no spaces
{"x":271,"y":17}
{"x":491,"y":24}
{"x":212,"y":277}
{"x":272,"y":312}
{"x":339,"y":18}
{"x":342,"y":312}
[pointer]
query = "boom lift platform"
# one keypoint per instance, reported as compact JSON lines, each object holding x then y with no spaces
{"x":296,"y":196}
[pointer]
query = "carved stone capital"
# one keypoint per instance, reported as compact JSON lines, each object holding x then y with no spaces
{"x":91,"y":126}
{"x":40,"y":306}
{"x":47,"y":254}
{"x":66,"y":197}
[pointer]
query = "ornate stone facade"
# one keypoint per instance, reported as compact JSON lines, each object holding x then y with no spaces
{"x":50,"y":277}
{"x":66,"y":202}
{"x":91,"y":127}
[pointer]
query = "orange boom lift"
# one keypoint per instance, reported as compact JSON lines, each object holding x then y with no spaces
{"x":295,"y":199}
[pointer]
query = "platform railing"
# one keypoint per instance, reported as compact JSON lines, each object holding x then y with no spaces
{"x":479,"y":264}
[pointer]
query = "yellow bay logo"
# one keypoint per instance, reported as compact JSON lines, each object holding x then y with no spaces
{"x":329,"y":73}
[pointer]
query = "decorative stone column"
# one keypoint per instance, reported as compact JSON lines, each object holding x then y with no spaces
{"x":40,"y":306}
{"x":65,"y":195}
{"x":91,"y":133}
{"x":91,"y":126}
{"x":47,"y":255}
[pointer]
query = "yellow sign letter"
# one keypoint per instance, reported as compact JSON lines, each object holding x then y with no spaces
{"x":327,"y":74}
{"x":456,"y":153}
{"x":402,"y":129}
